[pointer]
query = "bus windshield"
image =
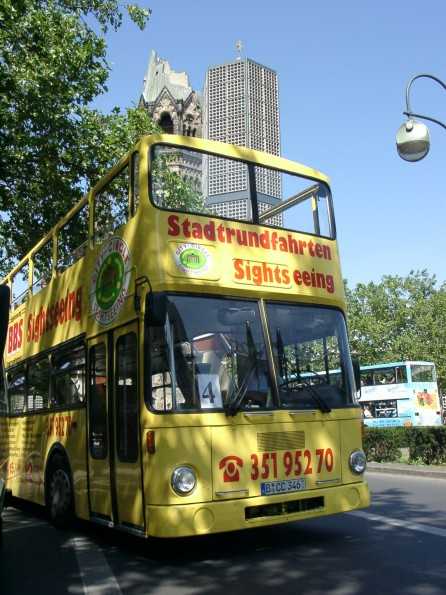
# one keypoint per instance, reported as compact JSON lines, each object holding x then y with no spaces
{"x":211,"y":354}
{"x":308,"y":344}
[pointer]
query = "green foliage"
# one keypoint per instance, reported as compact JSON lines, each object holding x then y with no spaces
{"x":52,"y":65}
{"x":426,"y":445}
{"x":400,"y":318}
{"x":382,"y":445}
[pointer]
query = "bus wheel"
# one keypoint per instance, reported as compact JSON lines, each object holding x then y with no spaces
{"x":60,"y":493}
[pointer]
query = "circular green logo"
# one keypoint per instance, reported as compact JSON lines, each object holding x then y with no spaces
{"x":110,"y":280}
{"x":193,"y":259}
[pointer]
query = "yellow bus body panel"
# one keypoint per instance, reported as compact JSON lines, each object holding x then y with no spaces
{"x":30,"y":440}
{"x":217,"y":505}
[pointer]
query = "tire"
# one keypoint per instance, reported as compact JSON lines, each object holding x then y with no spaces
{"x":60,"y":493}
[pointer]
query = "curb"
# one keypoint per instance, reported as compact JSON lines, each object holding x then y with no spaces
{"x":411,"y":470}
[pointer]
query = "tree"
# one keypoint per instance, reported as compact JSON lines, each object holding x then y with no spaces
{"x":52,"y":146}
{"x":400,"y":318}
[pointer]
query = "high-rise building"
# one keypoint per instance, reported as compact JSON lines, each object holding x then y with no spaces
{"x":241,"y":106}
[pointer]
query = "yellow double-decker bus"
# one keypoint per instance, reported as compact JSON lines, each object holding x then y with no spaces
{"x":169,"y":348}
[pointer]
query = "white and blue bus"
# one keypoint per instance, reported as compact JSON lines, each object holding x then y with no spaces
{"x":400,"y":394}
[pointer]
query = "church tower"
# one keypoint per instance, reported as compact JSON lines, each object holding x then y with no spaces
{"x":170,"y":100}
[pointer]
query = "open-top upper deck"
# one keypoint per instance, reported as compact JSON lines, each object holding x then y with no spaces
{"x":177,"y":214}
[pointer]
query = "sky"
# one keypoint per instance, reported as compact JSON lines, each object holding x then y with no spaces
{"x":343,"y":67}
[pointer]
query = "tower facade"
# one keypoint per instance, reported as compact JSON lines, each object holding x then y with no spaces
{"x":241,"y":106}
{"x":170,"y":100}
{"x":176,"y":108}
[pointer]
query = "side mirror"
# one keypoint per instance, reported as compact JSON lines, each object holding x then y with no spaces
{"x":156,"y":309}
{"x":357,"y":373}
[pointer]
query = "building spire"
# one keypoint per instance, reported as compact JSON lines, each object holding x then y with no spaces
{"x":239,"y":47}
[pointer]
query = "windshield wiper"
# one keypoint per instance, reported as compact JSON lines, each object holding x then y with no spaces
{"x":235,"y":401}
{"x":323,"y":406}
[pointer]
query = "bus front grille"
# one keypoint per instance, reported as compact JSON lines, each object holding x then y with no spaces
{"x":281,"y":508}
{"x":270,"y":441}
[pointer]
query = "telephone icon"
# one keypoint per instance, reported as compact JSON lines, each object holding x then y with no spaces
{"x":230,"y":466}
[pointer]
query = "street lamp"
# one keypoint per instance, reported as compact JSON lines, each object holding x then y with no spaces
{"x":412,"y":138}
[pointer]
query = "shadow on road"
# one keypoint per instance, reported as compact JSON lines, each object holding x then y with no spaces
{"x":344,"y":554}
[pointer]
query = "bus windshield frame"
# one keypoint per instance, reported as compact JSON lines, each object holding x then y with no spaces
{"x":221,"y":354}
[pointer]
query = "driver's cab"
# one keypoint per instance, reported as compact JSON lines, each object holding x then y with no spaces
{"x":218,"y":362}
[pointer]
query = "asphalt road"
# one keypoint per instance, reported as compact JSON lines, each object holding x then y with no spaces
{"x":398,"y":545}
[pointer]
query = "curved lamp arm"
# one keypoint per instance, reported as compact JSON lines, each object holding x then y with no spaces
{"x":409,"y":112}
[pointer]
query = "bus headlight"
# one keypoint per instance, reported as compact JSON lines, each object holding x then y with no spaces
{"x":183,"y":480}
{"x":358,"y":462}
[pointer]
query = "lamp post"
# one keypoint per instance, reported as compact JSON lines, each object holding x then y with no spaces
{"x":412,"y":138}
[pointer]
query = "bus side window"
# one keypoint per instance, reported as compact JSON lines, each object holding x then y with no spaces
{"x":68,"y":387}
{"x":161,"y":382}
{"x":111,"y":205}
{"x":368,"y":409}
{"x":127,"y":398}
{"x":366,"y":379}
{"x":3,"y":399}
{"x":38,"y":384}
{"x":4,"y":407}
{"x":401,"y":374}
{"x":17,"y":390}
{"x":98,"y":402}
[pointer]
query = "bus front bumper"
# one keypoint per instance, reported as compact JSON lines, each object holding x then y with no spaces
{"x":245,"y":513}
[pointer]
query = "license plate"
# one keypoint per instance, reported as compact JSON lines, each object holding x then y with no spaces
{"x":280,"y":487}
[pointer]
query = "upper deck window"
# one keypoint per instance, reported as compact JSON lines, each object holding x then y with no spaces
{"x":387,"y":375}
{"x":422,"y":373}
{"x":197,"y":182}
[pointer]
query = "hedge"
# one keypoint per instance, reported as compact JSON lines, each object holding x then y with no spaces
{"x":426,"y":445}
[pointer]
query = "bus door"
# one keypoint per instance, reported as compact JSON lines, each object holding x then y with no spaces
{"x":115,"y":478}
